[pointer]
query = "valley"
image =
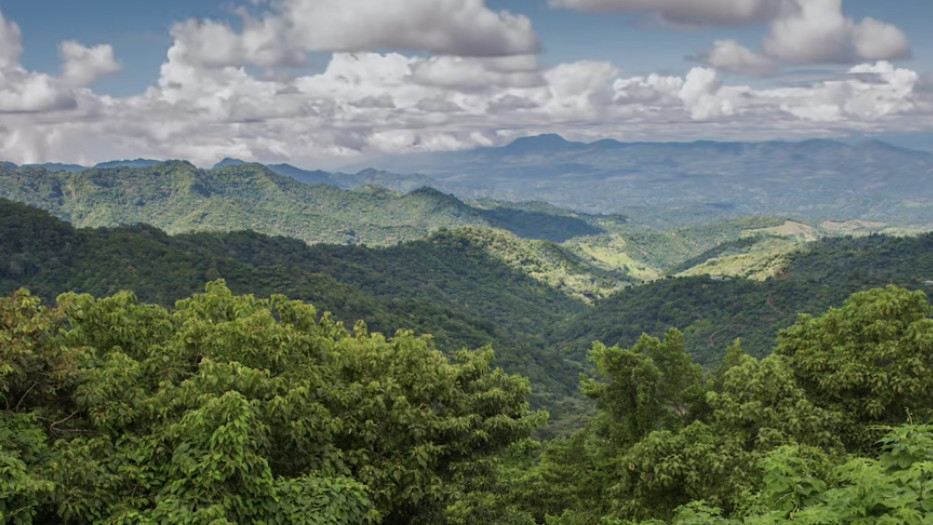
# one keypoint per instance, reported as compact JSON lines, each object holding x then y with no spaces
{"x":553,"y":295}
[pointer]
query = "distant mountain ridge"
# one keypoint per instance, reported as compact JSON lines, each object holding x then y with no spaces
{"x":138,"y":163}
{"x":178,"y":197}
{"x":666,"y":184}
{"x":682,"y":183}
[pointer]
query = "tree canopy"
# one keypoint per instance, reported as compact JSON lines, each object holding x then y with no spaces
{"x":232,"y":409}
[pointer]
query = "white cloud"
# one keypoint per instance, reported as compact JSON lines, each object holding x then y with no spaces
{"x":510,"y":103}
{"x":810,"y":31}
{"x":21,"y":90}
{"x":580,"y":89}
{"x":801,"y":31}
{"x":479,"y":74}
{"x":11,"y":43}
{"x":875,"y":40}
{"x":729,"y":55}
{"x":700,"y":94}
{"x":215,"y":44}
{"x":454,"y":27}
{"x":367,"y":103}
{"x":686,"y":12}
{"x":383,"y":101}
{"x":438,"y":104}
{"x":882,"y":90}
{"x":82,"y":65}
{"x":818,"y":31}
{"x":292,"y":28}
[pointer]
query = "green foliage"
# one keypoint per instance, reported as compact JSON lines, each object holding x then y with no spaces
{"x":235,"y":409}
{"x":177,"y":197}
{"x":448,"y":285}
{"x":782,"y":439}
{"x":650,"y":387}
{"x":763,"y":406}
{"x":713,"y":313}
{"x":870,"y":359}
{"x":802,"y":485}
{"x":539,"y":220}
{"x":24,"y":456}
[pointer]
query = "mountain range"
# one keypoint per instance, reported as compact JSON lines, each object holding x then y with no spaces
{"x":683,"y":183}
{"x":663,"y":184}
{"x":178,"y":197}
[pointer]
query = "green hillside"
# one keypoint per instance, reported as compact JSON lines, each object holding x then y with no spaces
{"x":445,"y":285}
{"x":646,"y":253}
{"x":536,"y":302}
{"x":177,"y":197}
{"x":713,"y":311}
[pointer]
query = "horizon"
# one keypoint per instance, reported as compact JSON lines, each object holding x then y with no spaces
{"x":353,"y":168}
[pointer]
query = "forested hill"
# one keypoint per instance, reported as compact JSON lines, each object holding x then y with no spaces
{"x":461,"y":286}
{"x":713,"y":311}
{"x":178,"y":197}
{"x":446,"y":285}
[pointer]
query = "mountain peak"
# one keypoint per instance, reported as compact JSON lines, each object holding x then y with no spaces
{"x":227,"y":162}
{"x":547,"y":141}
{"x":138,"y":163}
{"x":878,"y":144}
{"x":58,"y":166}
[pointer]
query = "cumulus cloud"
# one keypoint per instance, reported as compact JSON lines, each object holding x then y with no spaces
{"x":383,"y":101}
{"x":801,"y":31}
{"x":509,"y":103}
{"x":21,"y":90}
{"x":84,"y":65}
{"x":875,"y":40}
{"x":684,"y":12}
{"x":438,"y":104}
{"x":478,"y":74}
{"x":367,"y":103}
{"x":579,"y":89}
{"x":699,"y":94}
{"x":215,"y":44}
{"x":810,"y":31}
{"x":292,"y":28}
{"x":11,"y":43}
{"x":454,"y":27}
{"x":729,"y":55}
{"x":818,"y":31}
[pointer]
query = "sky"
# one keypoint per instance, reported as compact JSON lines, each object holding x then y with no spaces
{"x":325,"y":83}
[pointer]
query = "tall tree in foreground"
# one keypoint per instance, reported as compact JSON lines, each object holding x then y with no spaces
{"x":870,"y":360}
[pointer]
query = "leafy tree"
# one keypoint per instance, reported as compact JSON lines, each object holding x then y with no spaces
{"x":870,"y":360}
{"x":802,"y":485}
{"x":234,"y":409}
{"x":654,"y":385}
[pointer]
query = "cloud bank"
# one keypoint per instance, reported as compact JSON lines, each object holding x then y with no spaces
{"x":208,"y":104}
{"x":292,"y":28}
{"x":801,"y":31}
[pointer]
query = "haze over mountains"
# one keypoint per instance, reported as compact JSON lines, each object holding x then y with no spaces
{"x":680,"y":182}
{"x":668,"y":184}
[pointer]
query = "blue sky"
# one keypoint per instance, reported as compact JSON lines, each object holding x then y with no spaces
{"x":296,"y":80}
